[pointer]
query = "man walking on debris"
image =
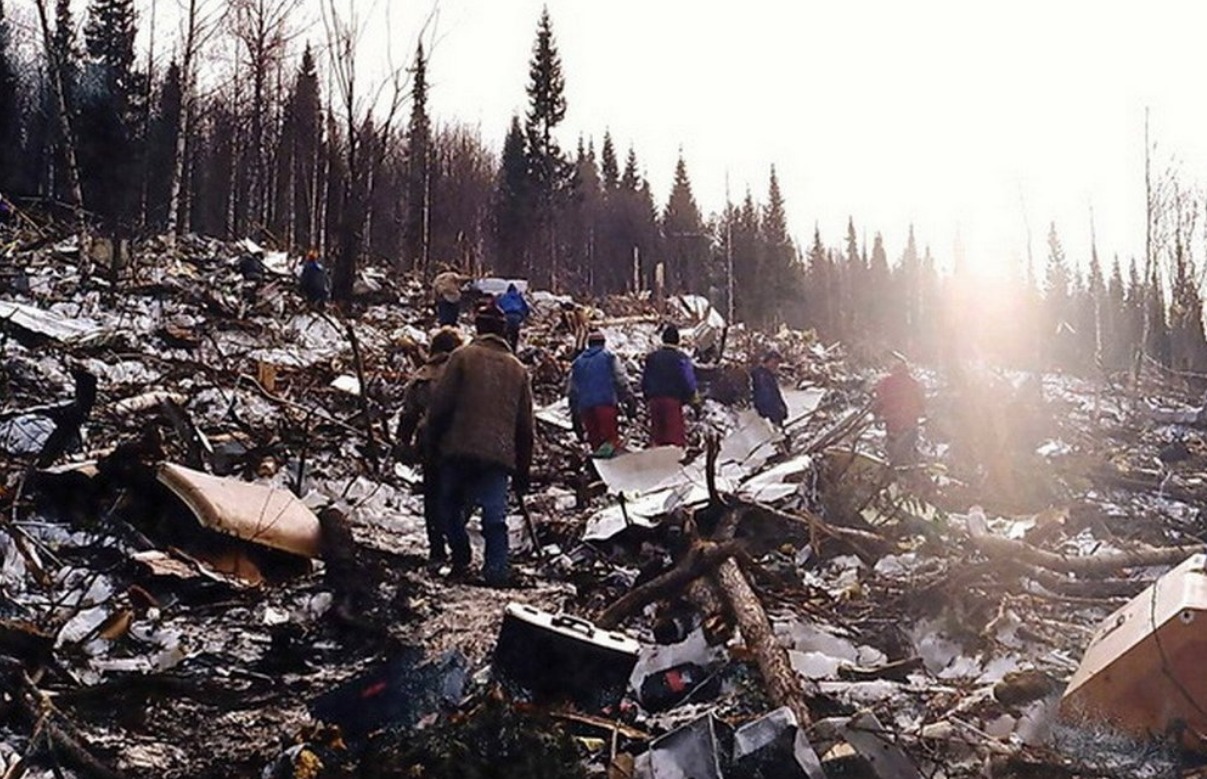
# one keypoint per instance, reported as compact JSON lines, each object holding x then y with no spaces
{"x":899,"y":402}
{"x":446,"y":288}
{"x":768,"y":400}
{"x":416,"y":400}
{"x":597,"y":382}
{"x":481,"y":427}
{"x":668,"y":382}
{"x":515,"y":308}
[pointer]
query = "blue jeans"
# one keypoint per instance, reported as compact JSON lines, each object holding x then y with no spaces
{"x":447,"y":313}
{"x":465,"y":486}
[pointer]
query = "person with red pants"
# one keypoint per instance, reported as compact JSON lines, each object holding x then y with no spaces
{"x":668,"y":382}
{"x":598,"y":382}
{"x":899,"y":401}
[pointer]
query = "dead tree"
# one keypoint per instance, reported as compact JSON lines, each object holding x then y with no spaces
{"x":66,"y":132}
{"x":262,"y":28}
{"x":198,"y":27}
{"x":357,"y":109}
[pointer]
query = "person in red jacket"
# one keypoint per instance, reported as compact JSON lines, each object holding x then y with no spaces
{"x":899,"y":402}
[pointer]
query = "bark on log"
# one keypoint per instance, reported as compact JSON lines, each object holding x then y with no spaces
{"x":782,"y":683}
{"x":1102,"y":563}
{"x":781,"y":680}
{"x":699,"y":561}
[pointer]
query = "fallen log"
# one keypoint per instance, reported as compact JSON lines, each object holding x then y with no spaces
{"x":1101,"y":563}
{"x":782,"y":683}
{"x":1145,"y":483}
{"x":700,"y":560}
{"x":781,"y":680}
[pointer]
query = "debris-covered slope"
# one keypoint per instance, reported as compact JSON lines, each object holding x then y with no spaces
{"x":208,"y":540}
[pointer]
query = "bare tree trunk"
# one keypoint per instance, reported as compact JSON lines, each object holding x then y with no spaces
{"x":146,"y":128}
{"x":182,"y":125}
{"x":65,"y":130}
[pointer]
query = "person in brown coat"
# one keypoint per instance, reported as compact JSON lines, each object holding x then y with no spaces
{"x":481,"y":426}
{"x":416,"y":399}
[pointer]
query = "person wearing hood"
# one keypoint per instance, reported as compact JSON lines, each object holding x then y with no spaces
{"x":481,"y":428}
{"x":768,"y":400}
{"x":416,"y":398}
{"x":598,"y":382}
{"x":668,"y":382}
{"x":515,"y":309}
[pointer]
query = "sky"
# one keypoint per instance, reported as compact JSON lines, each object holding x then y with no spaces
{"x":969,"y":120}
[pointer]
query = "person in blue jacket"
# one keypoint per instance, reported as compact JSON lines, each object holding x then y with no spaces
{"x":768,"y":400}
{"x":598,"y":383}
{"x":314,"y":281}
{"x":668,"y":382}
{"x":515,"y":309}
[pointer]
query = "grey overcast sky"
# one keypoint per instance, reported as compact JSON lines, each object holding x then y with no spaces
{"x":954,"y":115}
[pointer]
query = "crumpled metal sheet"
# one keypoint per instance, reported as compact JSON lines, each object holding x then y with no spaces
{"x":47,"y":323}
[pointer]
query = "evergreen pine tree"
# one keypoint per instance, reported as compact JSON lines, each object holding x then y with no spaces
{"x":513,"y":204}
{"x":908,"y":280}
{"x":1058,"y":319}
{"x":879,"y":282}
{"x":110,"y":112}
{"x":819,"y":283}
{"x":1116,"y":337}
{"x":631,"y":179}
{"x":778,"y":275}
{"x":65,"y":46}
{"x":608,"y":165}
{"x":1158,"y":345}
{"x":548,"y":170}
{"x":161,"y":147}
{"x":585,"y":214}
{"x":416,"y":225}
{"x":306,"y":121}
{"x":109,"y":35}
{"x":686,"y":243}
{"x":747,"y":260}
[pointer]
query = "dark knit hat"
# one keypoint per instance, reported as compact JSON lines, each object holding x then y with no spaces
{"x":490,"y":320}
{"x":670,"y":335}
{"x":446,"y":340}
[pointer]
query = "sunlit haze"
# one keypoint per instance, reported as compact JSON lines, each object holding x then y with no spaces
{"x":958,"y":117}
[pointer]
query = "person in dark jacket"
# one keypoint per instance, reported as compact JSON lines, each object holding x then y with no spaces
{"x":668,"y":382}
{"x":416,"y":399}
{"x":480,"y":425}
{"x":515,"y":309}
{"x":314,"y":282}
{"x":768,"y":400}
{"x":598,"y":382}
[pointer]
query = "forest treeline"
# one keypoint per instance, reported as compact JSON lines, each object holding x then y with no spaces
{"x":284,"y":144}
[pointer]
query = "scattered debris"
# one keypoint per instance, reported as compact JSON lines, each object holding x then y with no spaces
{"x":210,"y":564}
